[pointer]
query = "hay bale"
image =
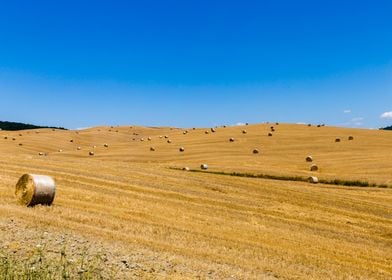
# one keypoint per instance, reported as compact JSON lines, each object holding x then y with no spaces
{"x":182,"y":149}
{"x":60,"y":150}
{"x":41,"y":154}
{"x":79,"y":148}
{"x":244,"y":132}
{"x":94,"y":147}
{"x":309,"y":158}
{"x":32,"y":189}
{"x":231,"y":139}
{"x":149,"y":139}
{"x":186,"y":168}
{"x":91,"y":153}
{"x":5,"y":137}
{"x":204,"y":166}
{"x":152,"y":149}
{"x":142,"y":139}
{"x":166,"y":136}
{"x":169,"y":141}
{"x":313,"y":180}
{"x":213,"y":130}
{"x":256,"y":151}
{"x":270,"y":134}
{"x":71,"y":140}
{"x":20,"y":144}
{"x":350,"y":138}
{"x":160,"y":136}
{"x":337,"y":140}
{"x":106,"y":145}
{"x":206,"y":132}
{"x":13,"y":139}
{"x":313,"y":167}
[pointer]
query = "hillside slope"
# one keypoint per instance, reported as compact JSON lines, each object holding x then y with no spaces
{"x":177,"y":224}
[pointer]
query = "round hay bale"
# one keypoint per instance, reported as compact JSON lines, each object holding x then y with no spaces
{"x":79,"y":148}
{"x":166,"y":136}
{"x":186,"y":168}
{"x":213,"y":130}
{"x":91,"y":153}
{"x":309,"y":158}
{"x":60,"y":150}
{"x":32,"y":189}
{"x":106,"y":145}
{"x":313,"y":180}
{"x":206,"y":132}
{"x":204,"y":166}
{"x":350,"y":138}
{"x":13,"y":139}
{"x":337,"y":140}
{"x":94,"y":147}
{"x":41,"y":154}
{"x":160,"y":136}
{"x":185,"y":132}
{"x":182,"y":149}
{"x":169,"y":141}
{"x":71,"y":140}
{"x":272,"y":129}
{"x":313,"y":167}
{"x":20,"y":135}
{"x":142,"y":139}
{"x":256,"y":151}
{"x":152,"y":149}
{"x":244,"y":132}
{"x":5,"y":137}
{"x":231,"y":139}
{"x":270,"y":134}
{"x":149,"y":138}
{"x":20,"y":144}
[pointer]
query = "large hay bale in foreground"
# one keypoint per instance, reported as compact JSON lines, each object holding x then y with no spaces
{"x":32,"y":189}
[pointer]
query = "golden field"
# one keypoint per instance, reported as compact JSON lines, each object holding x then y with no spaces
{"x":190,"y":225}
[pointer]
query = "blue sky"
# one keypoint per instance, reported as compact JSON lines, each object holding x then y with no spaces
{"x":196,"y":63}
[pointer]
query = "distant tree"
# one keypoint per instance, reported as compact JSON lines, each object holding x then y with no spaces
{"x":22,"y":126}
{"x":387,"y":128}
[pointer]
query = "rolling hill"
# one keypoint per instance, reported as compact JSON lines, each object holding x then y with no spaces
{"x":152,"y":220}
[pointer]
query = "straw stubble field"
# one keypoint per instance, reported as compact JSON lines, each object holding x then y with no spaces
{"x":153,"y":221}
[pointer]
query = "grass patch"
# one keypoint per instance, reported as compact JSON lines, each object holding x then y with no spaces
{"x":44,"y":265}
{"x":338,"y":182}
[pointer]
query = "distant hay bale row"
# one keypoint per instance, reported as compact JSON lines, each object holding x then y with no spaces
{"x":32,"y":189}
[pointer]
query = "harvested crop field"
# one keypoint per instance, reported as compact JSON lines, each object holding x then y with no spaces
{"x":152,"y":220}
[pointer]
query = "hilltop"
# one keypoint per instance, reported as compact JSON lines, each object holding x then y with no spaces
{"x":150,"y":219}
{"x":13,"y":126}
